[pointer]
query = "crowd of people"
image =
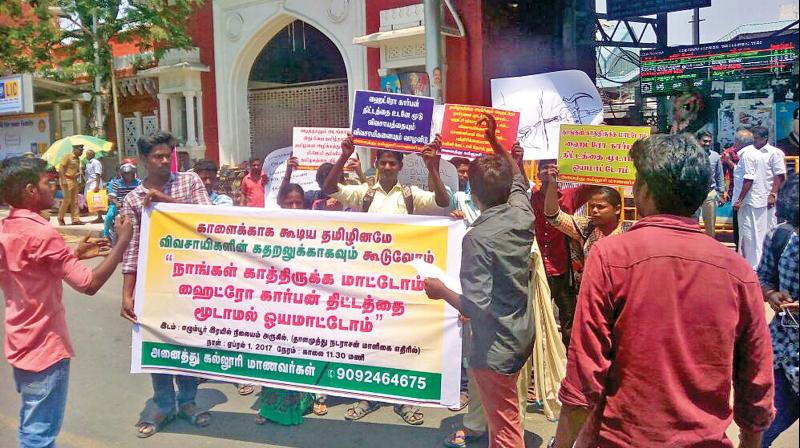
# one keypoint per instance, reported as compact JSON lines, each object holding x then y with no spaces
{"x":660,"y":321}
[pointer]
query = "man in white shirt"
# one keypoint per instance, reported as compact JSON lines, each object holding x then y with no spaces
{"x":757,"y":178}
{"x":388,"y":195}
{"x":94,"y":180}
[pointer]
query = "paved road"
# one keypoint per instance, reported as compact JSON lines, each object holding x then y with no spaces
{"x":105,"y":401}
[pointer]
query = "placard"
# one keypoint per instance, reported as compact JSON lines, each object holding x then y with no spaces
{"x":545,"y":101}
{"x":315,"y":146}
{"x":415,"y":172}
{"x":299,"y":300}
{"x":391,"y":121}
{"x":598,"y":154}
{"x":462,"y":135}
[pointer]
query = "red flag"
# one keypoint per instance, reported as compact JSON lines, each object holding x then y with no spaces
{"x":173,"y":168}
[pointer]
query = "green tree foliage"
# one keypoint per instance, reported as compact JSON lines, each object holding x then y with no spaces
{"x":57,"y":38}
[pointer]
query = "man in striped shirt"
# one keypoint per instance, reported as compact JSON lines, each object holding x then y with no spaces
{"x":118,"y":188}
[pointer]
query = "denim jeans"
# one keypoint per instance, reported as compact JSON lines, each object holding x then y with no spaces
{"x":164,"y":391}
{"x":44,"y":397}
{"x":786,"y":402}
{"x":111,"y":215}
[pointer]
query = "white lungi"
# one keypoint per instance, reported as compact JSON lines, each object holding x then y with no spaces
{"x":754,"y":223}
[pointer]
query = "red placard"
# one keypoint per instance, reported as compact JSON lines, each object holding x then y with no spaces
{"x":463,"y":136}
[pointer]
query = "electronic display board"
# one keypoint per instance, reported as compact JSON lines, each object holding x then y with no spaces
{"x":676,"y":69}
{"x":620,"y":9}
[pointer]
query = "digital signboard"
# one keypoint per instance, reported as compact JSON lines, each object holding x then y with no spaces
{"x":676,"y":69}
{"x":620,"y":9}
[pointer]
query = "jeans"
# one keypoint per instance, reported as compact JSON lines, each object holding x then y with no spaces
{"x":164,"y":392}
{"x":44,"y":397}
{"x":786,"y":402}
{"x":111,"y":215}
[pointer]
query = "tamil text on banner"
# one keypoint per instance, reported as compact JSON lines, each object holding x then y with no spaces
{"x":545,"y":101}
{"x":598,"y":154}
{"x":315,"y":146}
{"x":463,"y":136}
{"x":391,"y":121}
{"x":321,"y":302}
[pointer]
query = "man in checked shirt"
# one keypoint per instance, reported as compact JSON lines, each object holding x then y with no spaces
{"x":160,"y":185}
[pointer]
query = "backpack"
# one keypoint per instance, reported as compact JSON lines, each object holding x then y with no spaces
{"x":408,"y":197}
{"x":780,"y":239}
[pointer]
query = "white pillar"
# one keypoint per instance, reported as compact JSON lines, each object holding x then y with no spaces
{"x":200,"y":139}
{"x":163,"y":114}
{"x":191,"y":131}
{"x":176,"y":116}
{"x":57,"y":121}
{"x":77,"y":117}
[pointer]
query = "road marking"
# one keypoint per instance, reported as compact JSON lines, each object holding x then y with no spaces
{"x":64,"y":438}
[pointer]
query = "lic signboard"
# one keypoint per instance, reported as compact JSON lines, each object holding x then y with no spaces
{"x":16,"y":95}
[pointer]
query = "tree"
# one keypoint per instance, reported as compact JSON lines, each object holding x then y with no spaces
{"x":80,"y":45}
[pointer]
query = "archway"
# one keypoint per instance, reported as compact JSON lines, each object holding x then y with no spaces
{"x":298,"y":79}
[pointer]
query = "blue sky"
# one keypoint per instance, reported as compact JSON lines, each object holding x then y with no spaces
{"x":720,"y":18}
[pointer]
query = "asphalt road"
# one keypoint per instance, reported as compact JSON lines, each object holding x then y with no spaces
{"x":105,"y":401}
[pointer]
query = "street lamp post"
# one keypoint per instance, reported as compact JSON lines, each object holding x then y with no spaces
{"x":98,"y":105}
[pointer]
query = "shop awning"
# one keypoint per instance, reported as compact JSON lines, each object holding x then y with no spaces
{"x":384,"y":38}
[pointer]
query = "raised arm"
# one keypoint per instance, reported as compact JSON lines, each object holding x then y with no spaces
{"x":291,"y":165}
{"x":331,"y":184}
{"x":491,"y":136}
{"x":432,"y":158}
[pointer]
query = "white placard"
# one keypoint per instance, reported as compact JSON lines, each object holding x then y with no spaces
{"x":546,"y":101}
{"x":315,"y":146}
{"x":415,"y":172}
{"x":275,"y":168}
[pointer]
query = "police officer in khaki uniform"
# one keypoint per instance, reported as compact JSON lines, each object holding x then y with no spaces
{"x":68,"y":172}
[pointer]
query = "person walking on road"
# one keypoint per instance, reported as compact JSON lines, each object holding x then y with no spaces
{"x":94,"y":179}
{"x":69,"y":170}
{"x":34,"y":259}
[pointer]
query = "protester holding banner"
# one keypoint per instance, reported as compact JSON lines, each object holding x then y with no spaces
{"x":555,"y":247}
{"x":34,"y":261}
{"x":655,"y":353}
{"x":160,"y":186}
{"x":388,"y":195}
{"x":252,"y":186}
{"x":291,"y":196}
{"x":604,"y":209}
{"x":497,"y":246}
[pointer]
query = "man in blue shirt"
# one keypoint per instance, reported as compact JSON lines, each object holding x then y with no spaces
{"x":207,"y":170}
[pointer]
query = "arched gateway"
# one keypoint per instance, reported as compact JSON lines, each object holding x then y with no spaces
{"x":247,"y":43}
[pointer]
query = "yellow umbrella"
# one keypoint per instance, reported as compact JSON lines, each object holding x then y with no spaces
{"x":57,"y":150}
